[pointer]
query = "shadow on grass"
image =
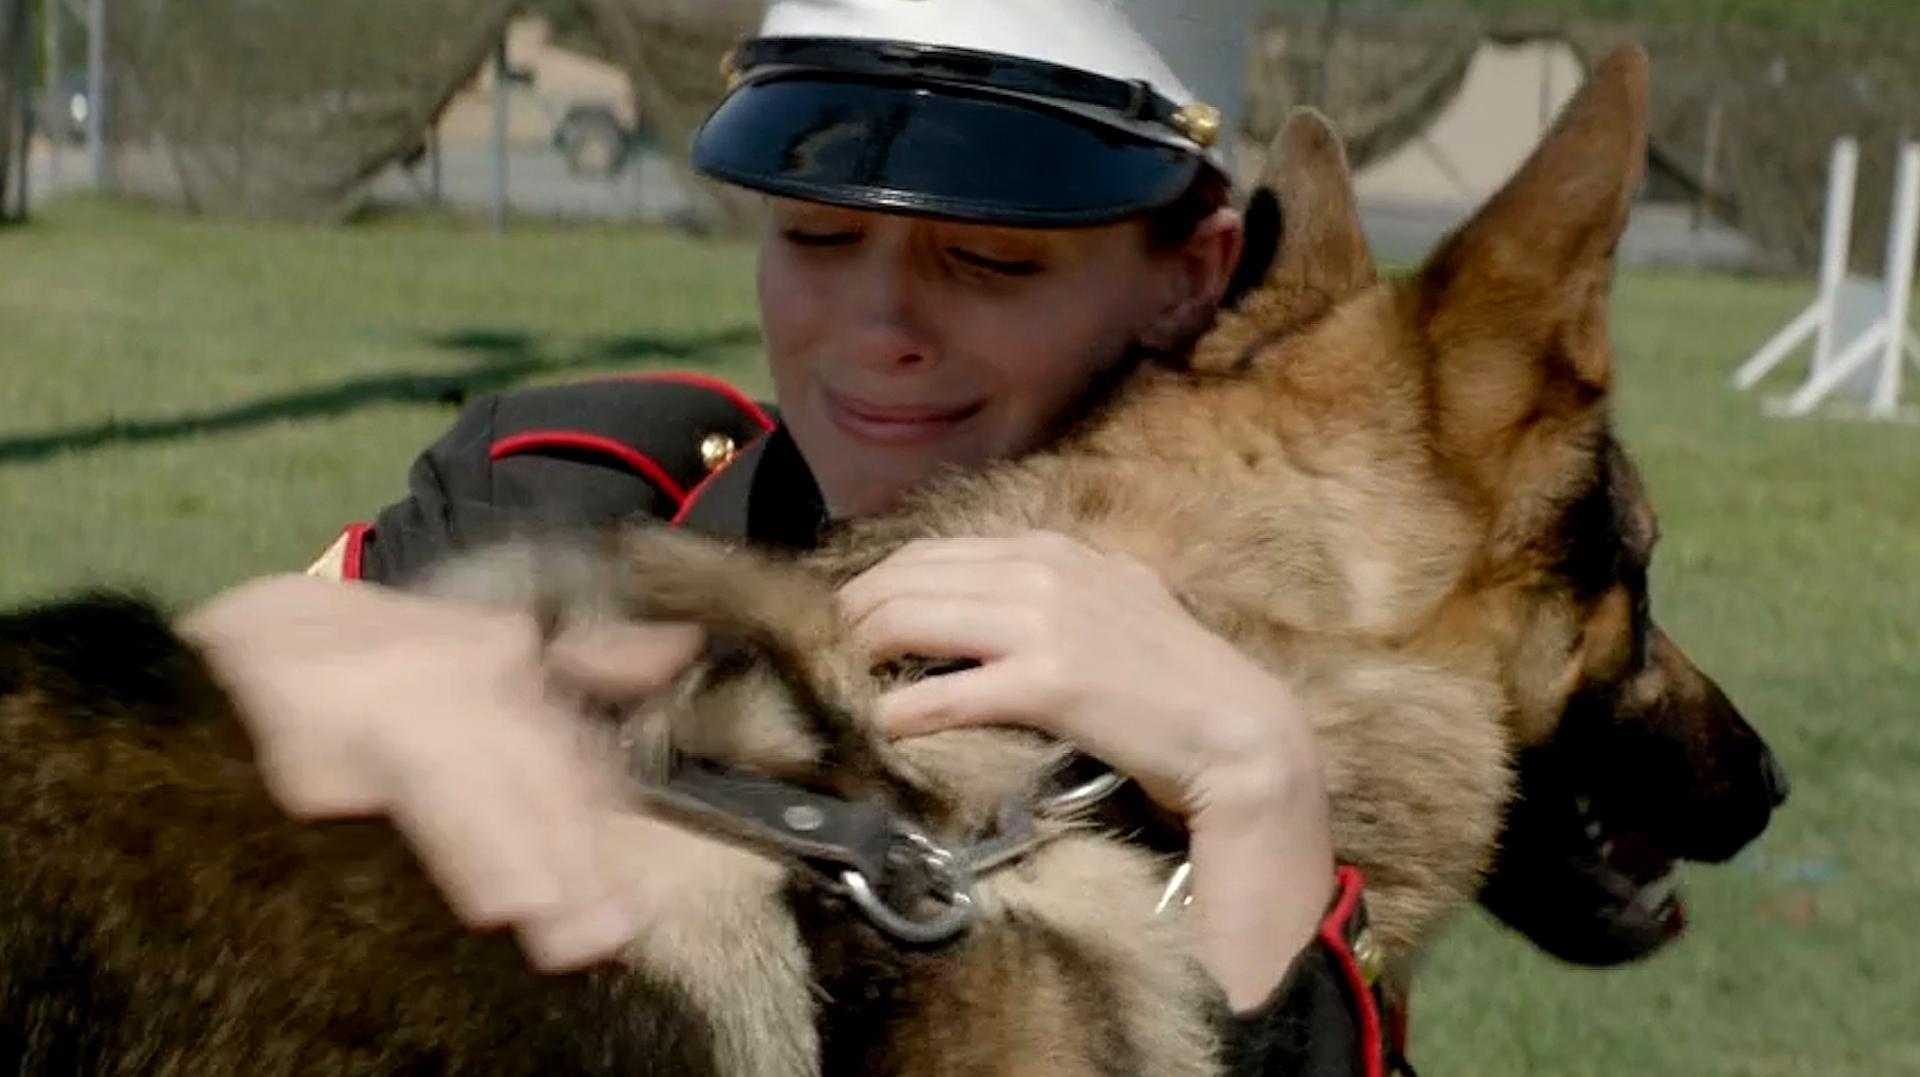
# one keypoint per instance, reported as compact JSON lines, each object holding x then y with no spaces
{"x":501,"y":359}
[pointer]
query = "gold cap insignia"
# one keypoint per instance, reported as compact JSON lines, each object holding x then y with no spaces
{"x":1198,"y":121}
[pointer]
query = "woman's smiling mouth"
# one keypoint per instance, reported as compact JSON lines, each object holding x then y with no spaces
{"x":896,"y":424}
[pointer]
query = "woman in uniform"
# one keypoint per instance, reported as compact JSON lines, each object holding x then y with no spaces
{"x":980,"y":214}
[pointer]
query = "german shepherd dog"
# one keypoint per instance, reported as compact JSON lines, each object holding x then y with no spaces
{"x":1402,"y":495}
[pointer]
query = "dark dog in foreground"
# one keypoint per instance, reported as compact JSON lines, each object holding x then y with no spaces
{"x":1403,"y":495}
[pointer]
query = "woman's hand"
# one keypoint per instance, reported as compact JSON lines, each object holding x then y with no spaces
{"x":1091,"y":648}
{"x":449,"y":719}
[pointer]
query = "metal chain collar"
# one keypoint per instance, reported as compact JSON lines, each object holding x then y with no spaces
{"x":864,"y":851}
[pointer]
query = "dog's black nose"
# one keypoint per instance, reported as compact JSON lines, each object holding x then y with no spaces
{"x":1774,"y":777}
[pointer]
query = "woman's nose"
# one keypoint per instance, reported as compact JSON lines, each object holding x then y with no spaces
{"x":893,"y":324}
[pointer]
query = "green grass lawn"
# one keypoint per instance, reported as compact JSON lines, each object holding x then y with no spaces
{"x":187,"y":404}
{"x":183,"y":403}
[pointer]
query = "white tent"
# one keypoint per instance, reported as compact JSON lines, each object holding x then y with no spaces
{"x":1509,"y":97}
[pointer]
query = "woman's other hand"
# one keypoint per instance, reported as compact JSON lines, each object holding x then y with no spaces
{"x":453,"y":721}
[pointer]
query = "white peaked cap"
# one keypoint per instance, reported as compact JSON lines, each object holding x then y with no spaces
{"x":1019,"y":112}
{"x":1188,"y":50}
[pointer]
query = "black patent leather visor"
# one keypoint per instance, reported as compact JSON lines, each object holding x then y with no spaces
{"x":944,"y":151}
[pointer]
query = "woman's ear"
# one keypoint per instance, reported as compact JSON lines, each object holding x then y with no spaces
{"x":1196,"y":275}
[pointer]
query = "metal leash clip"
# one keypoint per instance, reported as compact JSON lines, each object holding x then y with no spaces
{"x":951,"y":887}
{"x":859,"y":849}
{"x":863,"y":850}
{"x":952,"y":872}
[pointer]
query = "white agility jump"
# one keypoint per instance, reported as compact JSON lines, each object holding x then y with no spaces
{"x":1858,"y":324}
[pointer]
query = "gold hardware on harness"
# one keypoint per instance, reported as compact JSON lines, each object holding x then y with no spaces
{"x":717,"y":450}
{"x":1198,"y":121}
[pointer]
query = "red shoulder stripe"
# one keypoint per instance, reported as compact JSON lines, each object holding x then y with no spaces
{"x":534,"y":440}
{"x":711,"y":384}
{"x":356,"y":536}
{"x":1333,"y":935}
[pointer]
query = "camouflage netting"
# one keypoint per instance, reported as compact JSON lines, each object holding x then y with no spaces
{"x":1782,"y":98}
{"x":13,"y":26}
{"x":280,"y":108}
{"x":263,"y":107}
{"x":1380,"y":82}
{"x":671,"y":51}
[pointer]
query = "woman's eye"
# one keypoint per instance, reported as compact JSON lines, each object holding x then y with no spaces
{"x":804,"y":238}
{"x":1025,"y":267}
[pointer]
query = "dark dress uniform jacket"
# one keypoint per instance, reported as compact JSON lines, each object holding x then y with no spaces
{"x":693,"y":451}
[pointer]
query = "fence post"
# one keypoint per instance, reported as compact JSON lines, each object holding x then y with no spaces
{"x":55,"y":111}
{"x":501,"y":83}
{"x":97,"y":90}
{"x":1709,"y":162}
{"x":22,"y":119}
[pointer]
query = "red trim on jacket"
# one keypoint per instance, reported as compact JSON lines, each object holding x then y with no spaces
{"x":534,"y":440}
{"x":1399,"y":1021}
{"x":711,"y":384}
{"x":356,"y":536}
{"x":1333,"y":935}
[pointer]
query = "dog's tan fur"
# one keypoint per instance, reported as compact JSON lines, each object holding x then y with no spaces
{"x":1359,"y":483}
{"x":1362,"y":484}
{"x":1356,"y":482}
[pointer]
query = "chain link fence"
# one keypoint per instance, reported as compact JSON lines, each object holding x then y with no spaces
{"x":271,"y":108}
{"x":277,"y":109}
{"x":289,"y":110}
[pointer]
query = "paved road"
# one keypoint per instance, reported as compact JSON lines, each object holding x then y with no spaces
{"x":647,"y":191}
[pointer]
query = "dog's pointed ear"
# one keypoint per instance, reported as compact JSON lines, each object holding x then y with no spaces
{"x":1323,"y":258}
{"x":1304,"y":242}
{"x":1514,"y":304}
